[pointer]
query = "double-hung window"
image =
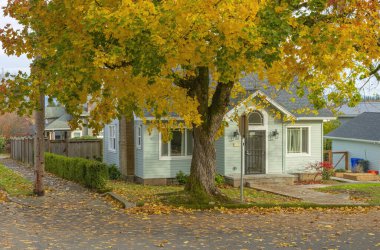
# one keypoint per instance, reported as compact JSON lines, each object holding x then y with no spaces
{"x":139,"y":137}
{"x":298,"y":140}
{"x":112,"y":137}
{"x":181,"y":145}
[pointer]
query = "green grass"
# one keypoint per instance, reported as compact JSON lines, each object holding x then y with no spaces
{"x":176,"y":196}
{"x":367,"y":192}
{"x":13,"y":183}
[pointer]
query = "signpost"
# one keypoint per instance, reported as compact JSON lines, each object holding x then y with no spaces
{"x":243,"y":130}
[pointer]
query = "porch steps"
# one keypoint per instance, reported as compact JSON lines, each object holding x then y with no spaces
{"x":262,"y":179}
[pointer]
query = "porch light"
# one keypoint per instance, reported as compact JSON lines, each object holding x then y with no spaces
{"x":274,"y":134}
{"x":236,"y":135}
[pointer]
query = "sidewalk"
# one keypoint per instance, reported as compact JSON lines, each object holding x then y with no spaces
{"x":308,"y":194}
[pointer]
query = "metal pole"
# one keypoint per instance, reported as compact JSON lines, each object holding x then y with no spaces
{"x":242,"y":169}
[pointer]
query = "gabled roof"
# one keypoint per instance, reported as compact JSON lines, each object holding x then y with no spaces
{"x":362,"y":107}
{"x":288,"y":103}
{"x":364,"y":127}
{"x":54,"y":112}
{"x":62,"y":123}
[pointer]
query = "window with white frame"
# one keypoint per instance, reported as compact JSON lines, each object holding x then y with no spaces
{"x":298,"y":140}
{"x":139,"y":137}
{"x":77,"y":134}
{"x":112,"y":137}
{"x":255,"y":118}
{"x":181,"y":144}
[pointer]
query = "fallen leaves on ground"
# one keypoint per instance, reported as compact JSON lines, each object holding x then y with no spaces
{"x":3,"y":196}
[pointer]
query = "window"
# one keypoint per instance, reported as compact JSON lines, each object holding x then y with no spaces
{"x":298,"y":140}
{"x":255,"y":118}
{"x":181,"y":144}
{"x":77,"y":134}
{"x":112,"y":138}
{"x":139,"y":137}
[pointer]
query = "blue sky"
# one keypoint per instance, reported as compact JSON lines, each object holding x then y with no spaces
{"x":11,"y":63}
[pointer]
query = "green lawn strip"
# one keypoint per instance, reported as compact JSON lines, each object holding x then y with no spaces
{"x":13,"y":183}
{"x":176,"y":196}
{"x":369,"y":192}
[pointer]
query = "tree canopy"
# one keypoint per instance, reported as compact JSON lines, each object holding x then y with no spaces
{"x":113,"y":51}
{"x":187,"y":56}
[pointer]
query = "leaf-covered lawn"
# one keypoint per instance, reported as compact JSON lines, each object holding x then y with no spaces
{"x":368,"y":192}
{"x":13,"y":183}
{"x":176,"y":196}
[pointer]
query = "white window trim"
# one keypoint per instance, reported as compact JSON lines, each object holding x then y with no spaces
{"x":139,"y":135}
{"x":109,"y":138}
{"x":309,"y":142}
{"x":76,"y":131}
{"x":168,"y":158}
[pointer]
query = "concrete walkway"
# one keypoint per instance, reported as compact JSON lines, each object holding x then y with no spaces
{"x":308,"y":194}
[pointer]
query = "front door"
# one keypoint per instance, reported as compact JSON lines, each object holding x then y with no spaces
{"x":255,"y":152}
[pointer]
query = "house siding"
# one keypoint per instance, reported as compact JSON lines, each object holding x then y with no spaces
{"x":297,"y":163}
{"x":232,"y":150}
{"x":110,"y":156}
{"x":153,"y":167}
{"x":367,"y":151}
{"x":139,"y":153}
{"x":275,"y":146}
{"x":220,"y":156}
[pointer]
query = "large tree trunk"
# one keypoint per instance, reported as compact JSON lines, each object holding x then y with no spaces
{"x":203,"y":164}
{"x":123,"y":145}
{"x":39,"y":149}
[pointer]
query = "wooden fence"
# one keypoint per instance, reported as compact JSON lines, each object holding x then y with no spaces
{"x":22,"y":148}
{"x":328,"y":155}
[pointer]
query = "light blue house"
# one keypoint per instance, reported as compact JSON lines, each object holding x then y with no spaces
{"x":274,"y":145}
{"x":360,"y":138}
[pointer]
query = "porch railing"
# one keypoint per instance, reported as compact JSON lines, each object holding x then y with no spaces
{"x":328,"y":156}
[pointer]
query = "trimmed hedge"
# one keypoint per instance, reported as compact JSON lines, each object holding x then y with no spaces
{"x":90,"y":173}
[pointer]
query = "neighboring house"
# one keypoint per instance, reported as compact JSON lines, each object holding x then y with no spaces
{"x":346,"y":113}
{"x":273,"y":146}
{"x":57,"y":124}
{"x":360,"y":137}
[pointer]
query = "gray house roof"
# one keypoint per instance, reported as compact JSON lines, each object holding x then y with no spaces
{"x":364,"y":127}
{"x":362,"y":107}
{"x":290,"y":101}
{"x":281,"y":97}
{"x":62,"y":123}
{"x":54,"y":112}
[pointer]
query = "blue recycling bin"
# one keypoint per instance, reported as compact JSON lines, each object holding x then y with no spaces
{"x":354,"y":162}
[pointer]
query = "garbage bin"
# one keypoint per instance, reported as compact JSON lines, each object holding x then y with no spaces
{"x":355,"y":162}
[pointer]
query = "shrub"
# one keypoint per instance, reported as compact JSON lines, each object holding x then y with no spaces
{"x":219,"y":179}
{"x":182,"y":178}
{"x":85,"y":137}
{"x":325,"y":169}
{"x":364,"y":164}
{"x":114,"y":172}
{"x":91,"y":174}
{"x":3,"y":143}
